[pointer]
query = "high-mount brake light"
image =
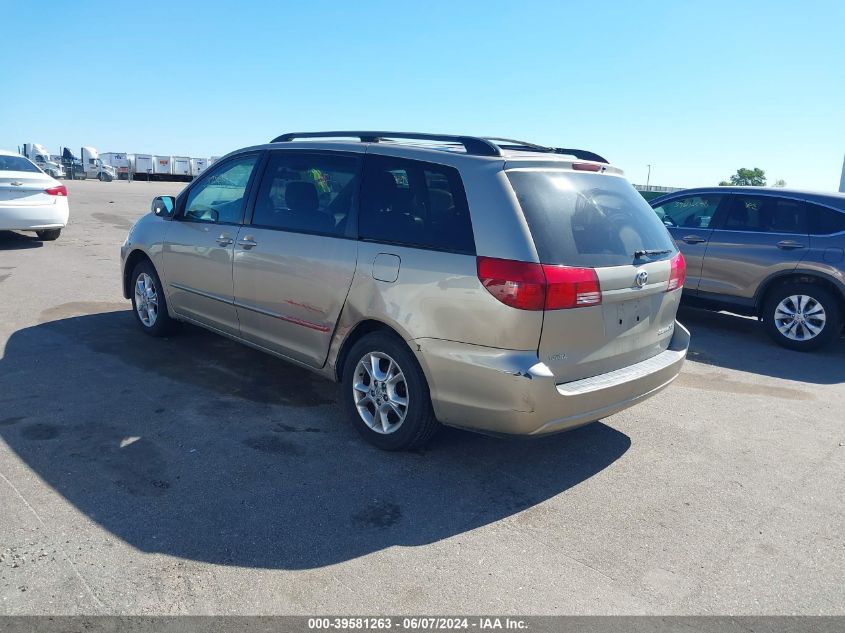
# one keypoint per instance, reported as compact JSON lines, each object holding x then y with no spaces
{"x":678,"y":274}
{"x":528,"y":286}
{"x":586,"y":167}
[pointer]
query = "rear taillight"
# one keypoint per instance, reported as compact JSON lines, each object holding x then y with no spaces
{"x":58,"y":190}
{"x":678,"y":274}
{"x":528,"y":286}
{"x":571,"y":287}
{"x":518,"y":284}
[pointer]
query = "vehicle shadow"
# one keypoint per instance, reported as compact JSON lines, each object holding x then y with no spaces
{"x":741,"y":343}
{"x":11,"y":241}
{"x":198,"y":447}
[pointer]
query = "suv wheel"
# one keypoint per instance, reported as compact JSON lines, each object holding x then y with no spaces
{"x":148,"y":301}
{"x":385,"y":394}
{"x":802,"y":317}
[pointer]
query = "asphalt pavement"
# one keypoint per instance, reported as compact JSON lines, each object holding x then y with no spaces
{"x":195,"y":475}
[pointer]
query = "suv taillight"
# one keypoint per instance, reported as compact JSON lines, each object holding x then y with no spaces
{"x":528,"y":286}
{"x":58,"y":190}
{"x":678,"y":275}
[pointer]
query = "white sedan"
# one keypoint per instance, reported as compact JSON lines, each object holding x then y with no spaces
{"x":30,"y":200}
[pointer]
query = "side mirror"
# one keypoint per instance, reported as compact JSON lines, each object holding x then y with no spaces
{"x":163,"y":206}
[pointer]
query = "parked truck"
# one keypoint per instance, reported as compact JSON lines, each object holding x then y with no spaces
{"x":39,"y":155}
{"x":94,"y":167}
{"x":72,"y":165}
{"x":117,"y":161}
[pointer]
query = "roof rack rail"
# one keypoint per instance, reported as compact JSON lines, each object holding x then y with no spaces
{"x":472,"y":144}
{"x":509,"y":143}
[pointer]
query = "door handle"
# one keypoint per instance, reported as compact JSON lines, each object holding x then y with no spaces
{"x":789,"y":245}
{"x":247,"y":242}
{"x":693,"y":239}
{"x":224,"y":240}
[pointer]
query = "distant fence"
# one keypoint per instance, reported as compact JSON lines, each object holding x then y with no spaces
{"x":653,"y":191}
{"x":657,"y":188}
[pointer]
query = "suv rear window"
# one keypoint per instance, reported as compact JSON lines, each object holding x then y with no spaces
{"x":414,"y":203}
{"x":587,"y":220}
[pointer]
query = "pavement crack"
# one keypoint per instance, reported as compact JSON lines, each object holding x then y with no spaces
{"x":84,"y":582}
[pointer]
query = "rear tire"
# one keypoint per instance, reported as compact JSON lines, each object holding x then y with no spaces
{"x":48,"y":235}
{"x":149,"y":304}
{"x":802,"y":317}
{"x":386,"y":395}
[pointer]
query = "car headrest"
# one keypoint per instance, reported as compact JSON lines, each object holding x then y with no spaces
{"x":301,"y":196}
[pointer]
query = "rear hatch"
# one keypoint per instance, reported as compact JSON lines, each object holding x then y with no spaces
{"x":596,"y":227}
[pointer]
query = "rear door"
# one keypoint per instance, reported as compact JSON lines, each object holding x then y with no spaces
{"x":600,"y":224}
{"x":755,"y":237}
{"x":294,"y":262}
{"x":690,"y":222}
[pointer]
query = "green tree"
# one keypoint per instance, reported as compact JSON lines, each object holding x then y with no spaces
{"x":780,"y":182}
{"x":743,"y":177}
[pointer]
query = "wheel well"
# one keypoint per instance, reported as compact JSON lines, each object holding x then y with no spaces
{"x":798,"y":278}
{"x":135,"y":257}
{"x":358,"y":332}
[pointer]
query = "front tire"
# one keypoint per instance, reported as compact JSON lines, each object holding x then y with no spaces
{"x":48,"y":235}
{"x":385,"y":394}
{"x":149,"y":304}
{"x":802,"y":317}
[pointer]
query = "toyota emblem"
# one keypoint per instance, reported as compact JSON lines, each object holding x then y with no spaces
{"x":641,"y":278}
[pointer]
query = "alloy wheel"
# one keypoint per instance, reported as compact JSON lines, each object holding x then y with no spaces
{"x":146,"y":299}
{"x":800,"y":317}
{"x":380,"y":392}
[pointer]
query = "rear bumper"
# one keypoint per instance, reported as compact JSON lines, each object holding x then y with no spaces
{"x":34,"y":217}
{"x":511,"y":392}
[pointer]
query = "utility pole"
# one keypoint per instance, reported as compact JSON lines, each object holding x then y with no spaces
{"x":648,"y":178}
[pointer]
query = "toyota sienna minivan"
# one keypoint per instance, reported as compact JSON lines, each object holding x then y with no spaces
{"x":482,"y":283}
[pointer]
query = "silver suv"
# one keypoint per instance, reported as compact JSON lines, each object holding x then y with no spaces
{"x":776,"y":254}
{"x":482,"y":283}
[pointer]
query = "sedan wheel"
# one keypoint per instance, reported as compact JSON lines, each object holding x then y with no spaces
{"x":146,"y":300}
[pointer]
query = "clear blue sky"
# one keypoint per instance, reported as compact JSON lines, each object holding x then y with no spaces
{"x":697,"y":89}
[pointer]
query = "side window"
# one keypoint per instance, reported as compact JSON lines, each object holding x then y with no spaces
{"x":311,"y":193}
{"x":219,"y":196}
{"x":415,"y":203}
{"x":766,"y":214}
{"x":826,"y":221}
{"x":691,"y":212}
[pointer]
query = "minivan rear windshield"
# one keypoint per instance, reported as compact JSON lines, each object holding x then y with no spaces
{"x":588,"y":220}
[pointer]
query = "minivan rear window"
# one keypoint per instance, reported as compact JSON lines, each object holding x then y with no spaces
{"x":587,"y":220}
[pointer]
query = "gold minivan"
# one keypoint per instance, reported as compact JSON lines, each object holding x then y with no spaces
{"x":482,"y":283}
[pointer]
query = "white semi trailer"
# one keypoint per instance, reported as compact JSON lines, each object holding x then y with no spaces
{"x":162,"y":167}
{"x":181,"y":168}
{"x":117,"y":161}
{"x":198,"y":165}
{"x":141,"y":166}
